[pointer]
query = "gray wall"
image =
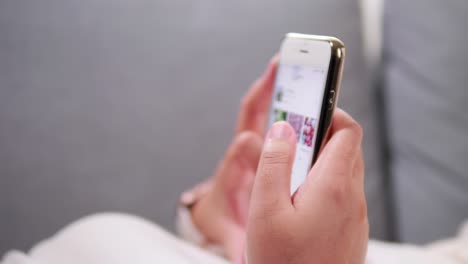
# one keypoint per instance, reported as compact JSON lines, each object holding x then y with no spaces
{"x":120,"y":105}
{"x":426,"y":82}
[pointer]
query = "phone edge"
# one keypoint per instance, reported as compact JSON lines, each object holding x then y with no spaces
{"x":331,"y":93}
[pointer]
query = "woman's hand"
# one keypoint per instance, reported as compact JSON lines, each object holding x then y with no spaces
{"x":326,"y":220}
{"x":221,"y":214}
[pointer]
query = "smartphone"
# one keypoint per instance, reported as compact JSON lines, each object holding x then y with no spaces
{"x":305,"y":94}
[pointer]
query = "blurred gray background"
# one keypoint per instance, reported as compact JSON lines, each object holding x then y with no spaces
{"x":121,"y":105}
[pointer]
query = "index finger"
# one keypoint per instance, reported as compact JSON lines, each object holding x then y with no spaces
{"x":255,"y":104}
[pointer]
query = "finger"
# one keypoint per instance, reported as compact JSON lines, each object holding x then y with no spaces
{"x":236,"y":172}
{"x":358,"y":191}
{"x":245,"y":150}
{"x":334,"y":169}
{"x":241,"y":204}
{"x":249,"y":148}
{"x":255,"y":104}
{"x":341,"y":151}
{"x":271,"y":192}
{"x":342,"y":120}
{"x":359,"y":167}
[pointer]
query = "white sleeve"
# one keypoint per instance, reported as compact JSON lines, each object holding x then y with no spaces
{"x":113,"y":238}
{"x":454,"y":248}
{"x":449,"y":251}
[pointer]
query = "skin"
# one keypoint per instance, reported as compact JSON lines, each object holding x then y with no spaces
{"x":221,"y":214}
{"x":326,"y":220}
{"x":248,"y":203}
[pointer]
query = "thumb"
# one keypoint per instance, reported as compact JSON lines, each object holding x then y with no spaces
{"x":271,"y":191}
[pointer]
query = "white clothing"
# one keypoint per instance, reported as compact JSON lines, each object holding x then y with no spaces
{"x":119,"y":238}
{"x":113,"y":238}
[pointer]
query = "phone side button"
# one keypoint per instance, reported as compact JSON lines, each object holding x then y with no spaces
{"x":331,"y":100}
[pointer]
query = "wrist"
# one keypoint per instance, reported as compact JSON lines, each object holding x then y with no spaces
{"x":189,"y":203}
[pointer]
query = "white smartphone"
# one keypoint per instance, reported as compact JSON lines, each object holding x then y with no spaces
{"x":305,"y":94}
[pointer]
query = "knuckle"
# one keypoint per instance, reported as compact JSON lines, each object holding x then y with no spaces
{"x":259,"y":218}
{"x":267,"y":171}
{"x":356,"y":128}
{"x":268,"y":180}
{"x":244,"y":138}
{"x":366,"y":227}
{"x":268,"y":213}
{"x":275,"y":158}
{"x":270,"y":208}
{"x":362,"y":210}
{"x":266,"y":222}
{"x":337,"y":194}
{"x":273,"y":162}
{"x":348,"y":154}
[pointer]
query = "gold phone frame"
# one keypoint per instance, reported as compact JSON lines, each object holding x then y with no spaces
{"x":332,"y":87}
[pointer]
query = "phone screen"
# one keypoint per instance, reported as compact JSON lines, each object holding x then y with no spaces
{"x":297,"y":99}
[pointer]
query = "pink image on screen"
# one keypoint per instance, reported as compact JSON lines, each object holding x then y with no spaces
{"x":296,"y":122}
{"x":308,"y":132}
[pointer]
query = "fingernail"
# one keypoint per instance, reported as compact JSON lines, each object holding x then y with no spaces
{"x":281,"y":130}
